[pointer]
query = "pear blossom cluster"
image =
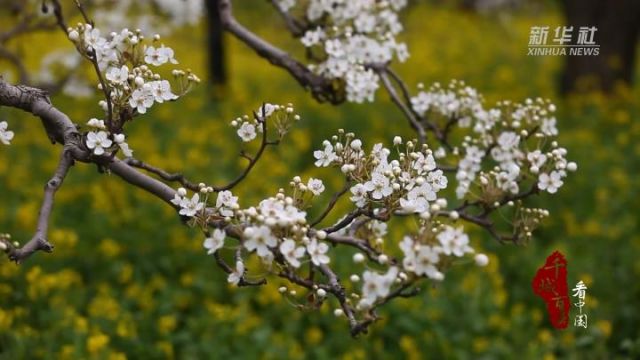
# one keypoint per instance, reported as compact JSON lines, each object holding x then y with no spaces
{"x":409,"y":183}
{"x":278,"y":226}
{"x":126,"y":63}
{"x":282,"y":118}
{"x":277,"y":230}
{"x":508,"y":145}
{"x":6,"y":135}
{"x":426,"y":254}
{"x":151,"y":16}
{"x":344,"y":37}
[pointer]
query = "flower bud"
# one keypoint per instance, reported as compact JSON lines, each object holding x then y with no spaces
{"x":481,"y":259}
{"x":74,"y":36}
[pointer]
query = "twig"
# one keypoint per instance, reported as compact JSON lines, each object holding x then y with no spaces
{"x":344,"y":222}
{"x":93,"y":58}
{"x":39,"y":240}
{"x":57,"y":12}
{"x":360,"y":244}
{"x":334,"y":199}
{"x":252,"y":160}
{"x":338,"y":291}
{"x":292,"y":24}
{"x":23,"y":75}
{"x":164,"y":175}
{"x":413,"y":121}
{"x":320,"y":87}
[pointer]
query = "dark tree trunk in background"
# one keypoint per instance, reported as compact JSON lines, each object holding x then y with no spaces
{"x":216,"y":55}
{"x":618,"y":23}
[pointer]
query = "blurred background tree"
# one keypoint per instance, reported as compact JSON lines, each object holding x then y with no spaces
{"x":217,"y":68}
{"x":618,"y":24}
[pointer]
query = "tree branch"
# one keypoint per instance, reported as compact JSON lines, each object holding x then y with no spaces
{"x":293,"y":25}
{"x":164,"y":175}
{"x":413,"y":121}
{"x":319,"y":86}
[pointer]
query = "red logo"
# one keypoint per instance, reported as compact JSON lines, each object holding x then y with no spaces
{"x":550,"y":283}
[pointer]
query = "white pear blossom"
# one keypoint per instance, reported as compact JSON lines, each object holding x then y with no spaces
{"x":159,"y":56}
{"x":359,"y":197}
{"x":376,"y":286}
{"x":551,"y":182}
{"x":190,"y":207}
{"x":247,"y":132}
{"x":453,"y":241}
{"x":141,"y":99}
{"x":236,"y":275}
{"x":214,"y":242}
{"x":120,"y":140}
{"x":318,"y":251}
{"x":266,"y":110}
{"x":536,"y":158}
{"x":98,"y":142}
{"x":5,"y":134}
{"x":161,"y":91}
{"x":315,"y":186}
{"x":92,"y":38}
{"x":325,"y":157}
{"x":418,"y":198}
{"x":259,"y":239}
{"x":226,"y":203}
{"x":291,"y":252}
{"x":426,"y":259}
{"x":118,"y":75}
{"x":313,"y":37}
{"x":379,"y":186}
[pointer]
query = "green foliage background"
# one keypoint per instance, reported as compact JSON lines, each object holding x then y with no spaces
{"x":128,"y":280}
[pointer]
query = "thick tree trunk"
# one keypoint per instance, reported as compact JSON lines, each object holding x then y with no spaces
{"x":618,"y":24}
{"x":216,"y":54}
